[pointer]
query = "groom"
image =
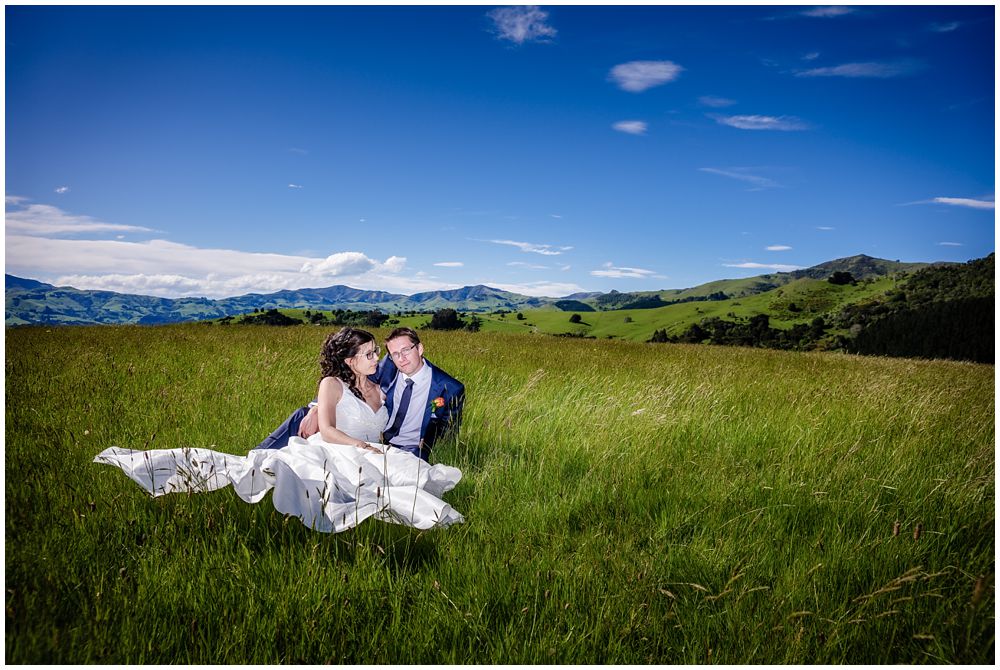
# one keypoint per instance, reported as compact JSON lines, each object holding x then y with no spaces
{"x":424,"y":401}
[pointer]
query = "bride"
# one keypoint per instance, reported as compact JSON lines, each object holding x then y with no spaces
{"x":331,"y":481}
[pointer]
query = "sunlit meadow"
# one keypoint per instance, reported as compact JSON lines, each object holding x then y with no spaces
{"x":624,"y":503}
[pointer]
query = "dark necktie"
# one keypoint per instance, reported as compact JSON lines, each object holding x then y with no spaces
{"x":404,"y":403}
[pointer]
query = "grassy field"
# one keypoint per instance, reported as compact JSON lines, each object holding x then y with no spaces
{"x":624,"y":503}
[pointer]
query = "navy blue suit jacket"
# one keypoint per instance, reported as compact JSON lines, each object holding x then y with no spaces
{"x":438,"y":422}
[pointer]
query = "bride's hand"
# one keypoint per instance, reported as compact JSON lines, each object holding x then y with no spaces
{"x":310,"y":423}
{"x":360,"y":444}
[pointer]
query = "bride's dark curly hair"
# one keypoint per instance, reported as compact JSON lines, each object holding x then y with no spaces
{"x":337,"y":348}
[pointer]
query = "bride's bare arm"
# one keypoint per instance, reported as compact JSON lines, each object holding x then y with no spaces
{"x":330,"y":390}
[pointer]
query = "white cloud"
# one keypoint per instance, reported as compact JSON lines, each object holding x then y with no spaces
{"x":295,"y":186}
{"x":743,"y":174}
{"x":610,"y":271}
{"x":870,"y":70}
{"x":45,"y":220}
{"x":637,"y":76}
{"x":556,"y":216}
{"x":522,"y":24}
{"x":528,"y":266}
{"x":777,"y":267}
{"x":529,"y":247}
{"x":827,"y":12}
{"x":759,"y":122}
{"x":394,"y":264}
{"x":813,"y":55}
{"x":779,"y":247}
{"x":62,"y":189}
{"x":339,"y":264}
{"x":630,"y":127}
{"x":449,"y":264}
{"x":41,"y":244}
{"x":715,"y":101}
{"x":825,"y":228}
{"x":950,"y":244}
{"x":965,"y":202}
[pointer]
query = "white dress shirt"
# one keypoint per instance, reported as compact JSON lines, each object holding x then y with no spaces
{"x":409,"y":432}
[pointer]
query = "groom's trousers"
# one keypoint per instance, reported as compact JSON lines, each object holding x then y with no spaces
{"x":290,"y":428}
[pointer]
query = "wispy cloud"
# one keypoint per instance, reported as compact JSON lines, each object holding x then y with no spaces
{"x":868,"y":70}
{"x":522,"y":24}
{"x":813,"y":55}
{"x":761,"y":122}
{"x":973,"y":203}
{"x":296,"y":150}
{"x":62,"y":189}
{"x":46,"y":221}
{"x":630,"y":127}
{"x":825,"y":228}
{"x":610,"y":271}
{"x":965,"y":202}
{"x":776,"y":267}
{"x":950,"y":244}
{"x":450,"y":264}
{"x":715,"y":101}
{"x":778,"y":247}
{"x":827,"y":12}
{"x":743,"y":174}
{"x":945,"y":27}
{"x":530,"y":247}
{"x":527,"y":266}
{"x":295,"y":186}
{"x":639,"y":75}
{"x":556,"y":216}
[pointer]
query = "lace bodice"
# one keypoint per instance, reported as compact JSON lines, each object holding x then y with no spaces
{"x":356,"y":418}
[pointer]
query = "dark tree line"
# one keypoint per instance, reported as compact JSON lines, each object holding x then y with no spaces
{"x":755,"y":332}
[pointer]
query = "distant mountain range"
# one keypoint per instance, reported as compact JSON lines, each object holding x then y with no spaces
{"x":34,"y":302}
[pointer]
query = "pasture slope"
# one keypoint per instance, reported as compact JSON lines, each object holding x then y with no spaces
{"x":624,"y":504}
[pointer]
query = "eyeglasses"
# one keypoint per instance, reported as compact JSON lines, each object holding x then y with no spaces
{"x":405,"y":351}
{"x":371,"y":355}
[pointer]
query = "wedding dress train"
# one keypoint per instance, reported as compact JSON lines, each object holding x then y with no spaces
{"x":329,"y":487}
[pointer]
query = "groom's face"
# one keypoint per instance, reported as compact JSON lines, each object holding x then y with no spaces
{"x":407,"y":356}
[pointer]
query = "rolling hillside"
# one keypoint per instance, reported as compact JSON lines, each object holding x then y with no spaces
{"x":29,"y":301}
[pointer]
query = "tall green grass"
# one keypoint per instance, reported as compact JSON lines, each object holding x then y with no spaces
{"x":624,"y":503}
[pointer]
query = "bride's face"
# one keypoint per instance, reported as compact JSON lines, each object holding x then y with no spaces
{"x":365,"y":362}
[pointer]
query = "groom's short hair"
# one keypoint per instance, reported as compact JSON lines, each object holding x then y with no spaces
{"x":403,"y":331}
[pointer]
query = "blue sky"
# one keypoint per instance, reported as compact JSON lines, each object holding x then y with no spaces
{"x":545,"y":150}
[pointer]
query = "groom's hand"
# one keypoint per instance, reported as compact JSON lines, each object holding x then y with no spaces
{"x":310,"y":423}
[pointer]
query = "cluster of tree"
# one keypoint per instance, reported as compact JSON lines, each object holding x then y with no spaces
{"x":361,"y":319}
{"x":449,"y":319}
{"x":842,"y":278}
{"x":271,"y":317}
{"x":753,"y":332}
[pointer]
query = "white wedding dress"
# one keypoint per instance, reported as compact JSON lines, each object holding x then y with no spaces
{"x":329,"y":487}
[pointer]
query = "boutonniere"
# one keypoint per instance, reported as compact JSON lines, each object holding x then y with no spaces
{"x":436,"y":404}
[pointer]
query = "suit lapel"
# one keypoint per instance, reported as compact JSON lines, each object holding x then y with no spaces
{"x":436,"y":390}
